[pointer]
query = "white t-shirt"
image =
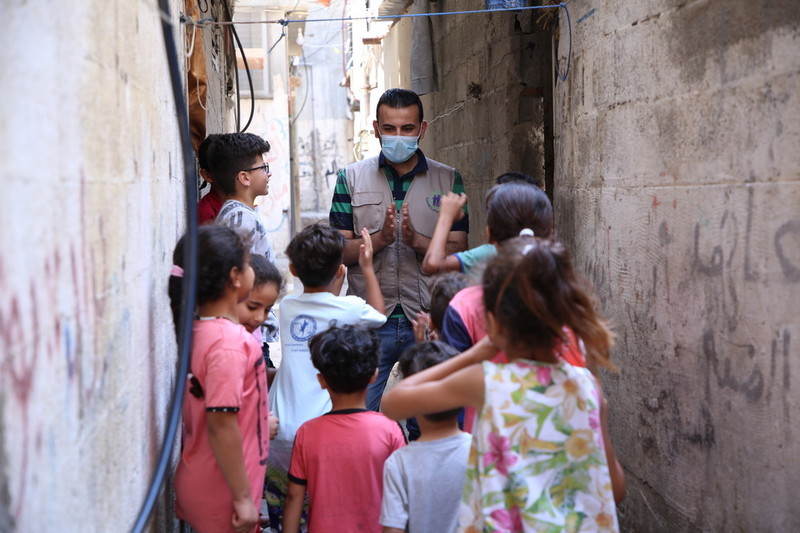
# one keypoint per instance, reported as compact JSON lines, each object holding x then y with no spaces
{"x":422,"y":485}
{"x":295,"y":396}
{"x":240,"y":217}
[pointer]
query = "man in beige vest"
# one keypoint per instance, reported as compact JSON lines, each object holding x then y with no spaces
{"x":396,"y":197}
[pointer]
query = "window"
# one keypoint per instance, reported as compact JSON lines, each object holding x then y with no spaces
{"x":255,"y":41}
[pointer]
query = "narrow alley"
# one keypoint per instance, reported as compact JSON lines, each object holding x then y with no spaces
{"x":666,"y":138}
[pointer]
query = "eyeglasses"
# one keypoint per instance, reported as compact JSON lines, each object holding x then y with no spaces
{"x":264,"y":167}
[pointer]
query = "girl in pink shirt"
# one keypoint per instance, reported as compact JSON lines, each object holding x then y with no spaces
{"x":221,"y":470}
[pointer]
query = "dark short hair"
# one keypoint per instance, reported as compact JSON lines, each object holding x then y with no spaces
{"x":346,"y":356}
{"x":231,"y":153}
{"x":418,"y":357}
{"x":202,"y":150}
{"x":516,"y":177}
{"x":265,"y":271}
{"x":398,"y":98}
{"x":512,"y":207}
{"x":316,"y":253}
{"x":443,"y":288}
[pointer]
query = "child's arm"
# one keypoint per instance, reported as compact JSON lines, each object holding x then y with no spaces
{"x":453,"y":383}
{"x":374,"y":294}
{"x":436,"y":258}
{"x":392,"y":530}
{"x":618,"y":483}
{"x":293,"y":507}
{"x":225,"y":439}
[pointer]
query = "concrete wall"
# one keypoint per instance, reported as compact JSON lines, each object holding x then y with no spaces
{"x":677,"y":187}
{"x":92,"y":206}
{"x":488,"y":115}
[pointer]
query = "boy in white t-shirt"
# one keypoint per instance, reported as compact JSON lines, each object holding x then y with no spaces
{"x":315,"y":256}
{"x":423,"y":482}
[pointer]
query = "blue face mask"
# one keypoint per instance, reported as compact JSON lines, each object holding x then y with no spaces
{"x":399,"y":148}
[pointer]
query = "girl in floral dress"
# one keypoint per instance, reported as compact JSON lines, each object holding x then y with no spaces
{"x":541,"y":459}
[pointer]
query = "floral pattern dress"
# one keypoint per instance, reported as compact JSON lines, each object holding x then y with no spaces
{"x":537,"y":461}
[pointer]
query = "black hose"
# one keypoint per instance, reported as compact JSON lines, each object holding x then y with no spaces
{"x":189,"y":274}
{"x":249,"y":76}
{"x":249,"y":80}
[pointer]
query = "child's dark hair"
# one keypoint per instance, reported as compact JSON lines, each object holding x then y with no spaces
{"x":346,"y":357}
{"x":533,"y":290}
{"x":231,"y":153}
{"x":219,"y":249}
{"x":418,"y":357}
{"x":316,"y":253}
{"x":265,"y":272}
{"x":397,"y":99}
{"x":518,"y":177}
{"x":443,"y":288}
{"x":512,"y":207}
{"x":202,"y":150}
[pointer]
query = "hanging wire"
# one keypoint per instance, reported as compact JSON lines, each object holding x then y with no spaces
{"x":285,"y":22}
{"x":381,"y":17}
{"x":569,"y":53}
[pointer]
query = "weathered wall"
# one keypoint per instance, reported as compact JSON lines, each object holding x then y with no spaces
{"x":677,"y":187}
{"x":488,"y":115}
{"x":92,"y":206}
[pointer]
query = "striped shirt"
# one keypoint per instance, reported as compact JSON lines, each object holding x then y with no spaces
{"x":341,"y":215}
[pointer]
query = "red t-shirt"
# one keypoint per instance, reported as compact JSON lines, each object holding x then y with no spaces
{"x":340,"y":456}
{"x":208,"y":208}
{"x":227,"y":362}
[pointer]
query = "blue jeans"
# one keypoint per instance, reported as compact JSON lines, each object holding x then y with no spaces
{"x":396,"y":335}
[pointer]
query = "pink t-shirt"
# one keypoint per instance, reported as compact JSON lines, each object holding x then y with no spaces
{"x":227,"y":362}
{"x":340,"y":456}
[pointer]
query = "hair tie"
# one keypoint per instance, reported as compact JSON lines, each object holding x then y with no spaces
{"x":176,"y":271}
{"x":527,"y":232}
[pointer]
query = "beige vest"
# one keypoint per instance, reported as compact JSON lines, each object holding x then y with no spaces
{"x":398,"y":267}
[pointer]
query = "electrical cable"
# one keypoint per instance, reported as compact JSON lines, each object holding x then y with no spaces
{"x":249,"y":82}
{"x":569,"y":53}
{"x":389,"y":17}
{"x":247,"y":71}
{"x":305,"y":97}
{"x":189,"y":273}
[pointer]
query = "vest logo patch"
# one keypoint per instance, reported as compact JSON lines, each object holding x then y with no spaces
{"x":434,"y":201}
{"x":303,"y":328}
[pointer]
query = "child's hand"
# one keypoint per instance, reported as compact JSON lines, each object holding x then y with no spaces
{"x":365,"y":251}
{"x":274,"y":423}
{"x":452,"y":206}
{"x":422,"y":327}
{"x":245,"y":515}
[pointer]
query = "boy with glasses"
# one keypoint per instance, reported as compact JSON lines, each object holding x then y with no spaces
{"x":238,"y":166}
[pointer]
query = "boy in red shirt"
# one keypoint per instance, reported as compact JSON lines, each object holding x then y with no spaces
{"x":338,"y":457}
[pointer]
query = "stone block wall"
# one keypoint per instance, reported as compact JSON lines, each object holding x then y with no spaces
{"x":677,"y":186}
{"x":488,"y":116}
{"x":92,"y":207}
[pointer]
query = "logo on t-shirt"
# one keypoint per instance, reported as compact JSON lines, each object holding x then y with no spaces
{"x":434,"y":200}
{"x":303,"y":328}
